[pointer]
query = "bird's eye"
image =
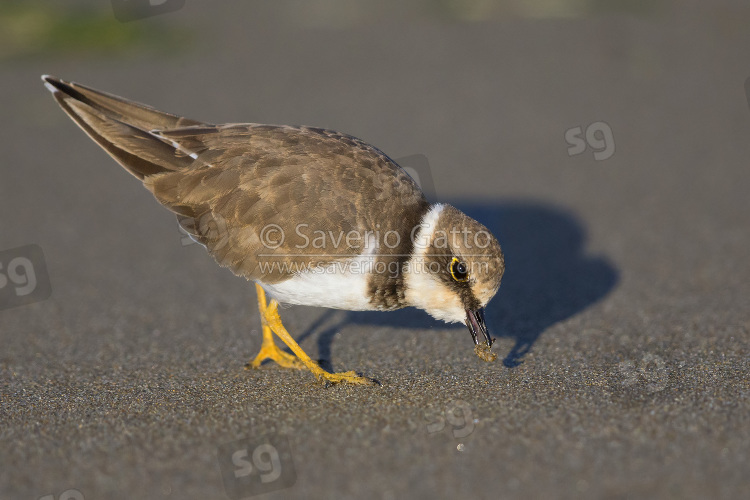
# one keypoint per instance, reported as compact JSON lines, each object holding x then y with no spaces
{"x":459,"y":270}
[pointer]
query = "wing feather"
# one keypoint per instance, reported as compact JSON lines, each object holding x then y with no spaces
{"x":277,"y":178}
{"x":230,"y":184}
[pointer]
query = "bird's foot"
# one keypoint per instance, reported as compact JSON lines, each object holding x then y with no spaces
{"x":271,"y":351}
{"x":346,"y":377}
{"x":271,"y":321}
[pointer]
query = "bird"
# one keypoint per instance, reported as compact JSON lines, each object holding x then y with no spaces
{"x":310,"y":215}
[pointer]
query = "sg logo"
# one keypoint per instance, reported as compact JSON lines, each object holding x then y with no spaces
{"x":23,"y":277}
{"x":598,"y":136}
{"x":131,"y":10}
{"x":252,"y":467}
{"x":266,"y":460}
{"x":65,"y":495}
{"x":418,"y":168}
{"x":458,"y":414}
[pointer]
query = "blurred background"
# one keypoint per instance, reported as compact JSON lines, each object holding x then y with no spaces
{"x":604,"y":142}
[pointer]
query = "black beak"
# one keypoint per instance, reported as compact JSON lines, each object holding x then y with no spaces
{"x":476,"y":324}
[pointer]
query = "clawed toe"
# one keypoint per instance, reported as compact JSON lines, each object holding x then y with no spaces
{"x":345,"y":377}
{"x":272,"y":352}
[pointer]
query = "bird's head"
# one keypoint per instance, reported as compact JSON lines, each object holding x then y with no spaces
{"x":455,"y":269}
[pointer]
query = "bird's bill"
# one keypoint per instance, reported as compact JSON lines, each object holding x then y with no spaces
{"x":475,"y":322}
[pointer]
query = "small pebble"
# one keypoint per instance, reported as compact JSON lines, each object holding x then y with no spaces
{"x":485,"y":353}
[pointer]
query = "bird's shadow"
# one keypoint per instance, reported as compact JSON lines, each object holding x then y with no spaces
{"x":548,"y":278}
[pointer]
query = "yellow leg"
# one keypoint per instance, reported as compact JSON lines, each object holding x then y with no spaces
{"x":269,"y":349}
{"x":271,"y":321}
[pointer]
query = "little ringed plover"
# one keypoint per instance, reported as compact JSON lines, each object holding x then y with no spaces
{"x":312,"y":216}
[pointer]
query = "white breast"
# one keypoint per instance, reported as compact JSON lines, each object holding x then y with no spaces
{"x":339,"y":285}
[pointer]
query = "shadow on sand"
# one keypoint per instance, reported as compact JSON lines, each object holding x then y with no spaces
{"x":548,"y":278}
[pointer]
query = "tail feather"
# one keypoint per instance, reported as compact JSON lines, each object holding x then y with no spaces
{"x":133,"y":113}
{"x":123,"y":128}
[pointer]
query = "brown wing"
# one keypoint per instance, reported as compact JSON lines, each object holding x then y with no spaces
{"x":275,"y":199}
{"x":239,"y":188}
{"x":121,"y":127}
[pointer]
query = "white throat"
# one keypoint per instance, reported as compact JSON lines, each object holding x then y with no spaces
{"x":422,"y":288}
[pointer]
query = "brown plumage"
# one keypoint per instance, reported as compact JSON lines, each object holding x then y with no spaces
{"x":246,"y":177}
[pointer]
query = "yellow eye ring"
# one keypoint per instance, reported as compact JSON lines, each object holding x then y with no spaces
{"x":458,"y":270}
